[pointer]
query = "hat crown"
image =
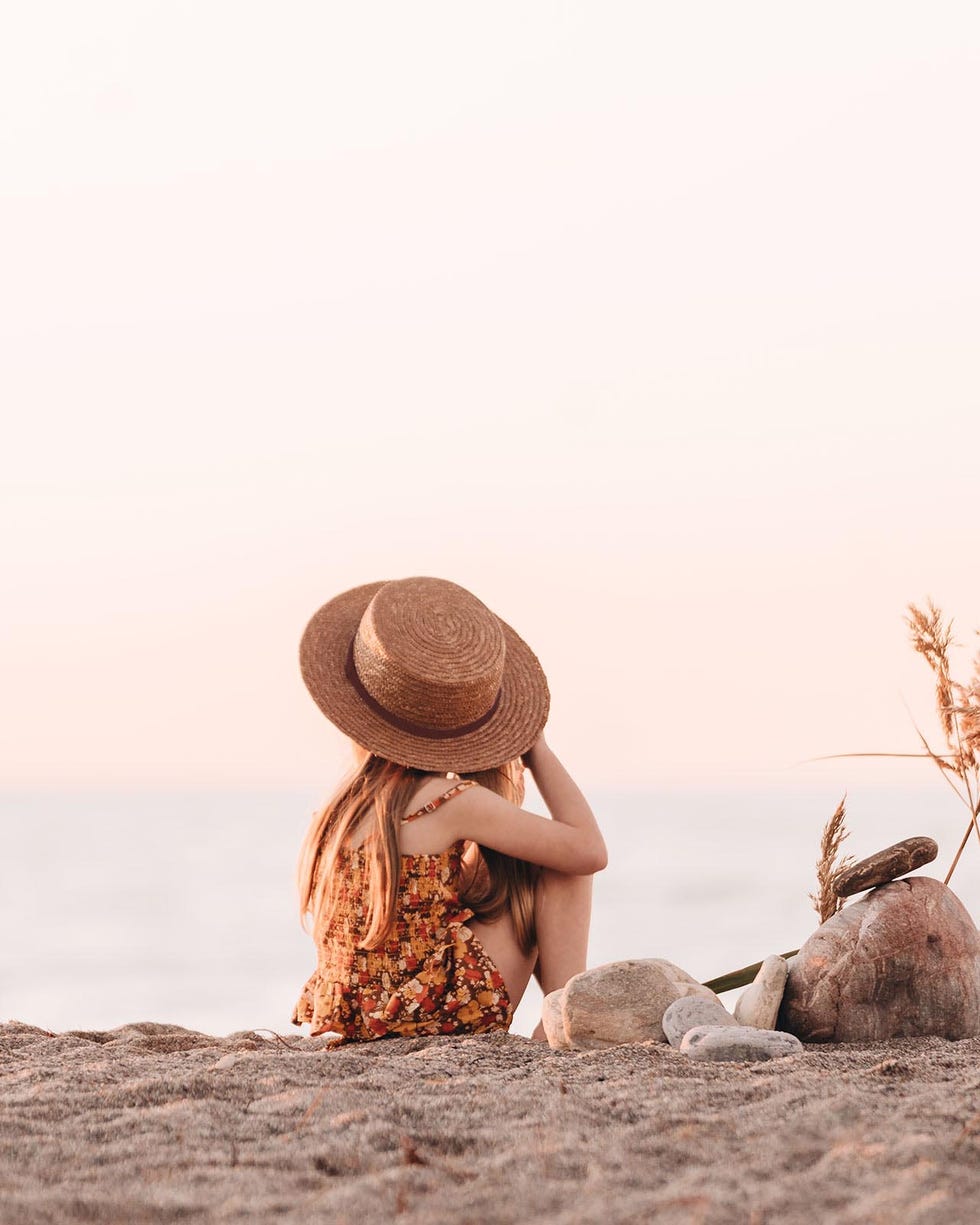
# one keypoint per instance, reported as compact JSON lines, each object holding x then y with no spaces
{"x":429,"y":652}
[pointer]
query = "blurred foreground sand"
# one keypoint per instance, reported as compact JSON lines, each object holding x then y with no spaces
{"x":154,"y":1123}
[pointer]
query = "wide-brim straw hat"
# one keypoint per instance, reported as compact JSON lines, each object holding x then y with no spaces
{"x":420,"y":672}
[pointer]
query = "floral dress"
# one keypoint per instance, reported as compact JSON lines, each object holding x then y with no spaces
{"x":430,"y":976}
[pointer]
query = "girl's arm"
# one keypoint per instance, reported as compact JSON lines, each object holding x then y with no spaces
{"x":570,"y":842}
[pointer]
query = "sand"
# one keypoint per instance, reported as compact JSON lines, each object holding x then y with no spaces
{"x":154,"y":1123}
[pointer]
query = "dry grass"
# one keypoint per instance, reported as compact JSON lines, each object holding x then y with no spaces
{"x":958,"y":708}
{"x":825,"y":901}
{"x":932,"y":638}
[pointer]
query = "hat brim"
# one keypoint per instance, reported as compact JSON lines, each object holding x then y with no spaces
{"x":513,"y":728}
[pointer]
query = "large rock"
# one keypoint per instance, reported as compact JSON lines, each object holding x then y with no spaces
{"x":624,"y":1001}
{"x":758,"y":1005}
{"x":902,"y":962}
{"x":886,"y":865}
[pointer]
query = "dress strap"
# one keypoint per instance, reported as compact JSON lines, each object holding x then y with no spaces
{"x":463,"y":785}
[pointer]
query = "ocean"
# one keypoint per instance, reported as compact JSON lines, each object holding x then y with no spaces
{"x":179,"y":905}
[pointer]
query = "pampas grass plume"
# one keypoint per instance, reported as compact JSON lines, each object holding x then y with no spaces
{"x":825,"y":901}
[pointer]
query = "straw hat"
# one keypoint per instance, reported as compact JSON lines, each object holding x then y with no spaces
{"x":421,"y":672}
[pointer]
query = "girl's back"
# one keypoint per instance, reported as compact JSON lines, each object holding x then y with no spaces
{"x":429,"y":976}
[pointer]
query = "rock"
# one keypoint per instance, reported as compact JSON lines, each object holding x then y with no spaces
{"x":738,"y":1044}
{"x":886,"y":865}
{"x":691,"y":1011}
{"x":902,"y":962}
{"x":624,"y":1001}
{"x":758,"y":1005}
{"x":553,"y":1020}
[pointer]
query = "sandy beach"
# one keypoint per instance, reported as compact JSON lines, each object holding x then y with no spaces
{"x":155,"y":1123}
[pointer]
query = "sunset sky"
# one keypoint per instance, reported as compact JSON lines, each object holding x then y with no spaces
{"x":656,"y":325}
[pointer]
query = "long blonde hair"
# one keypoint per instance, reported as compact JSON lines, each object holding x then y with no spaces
{"x":377,"y":795}
{"x":500,"y":882}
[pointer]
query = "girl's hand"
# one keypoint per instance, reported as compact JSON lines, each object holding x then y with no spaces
{"x":528,"y":757}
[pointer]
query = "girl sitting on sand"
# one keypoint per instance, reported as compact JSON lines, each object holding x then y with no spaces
{"x":433,"y":895}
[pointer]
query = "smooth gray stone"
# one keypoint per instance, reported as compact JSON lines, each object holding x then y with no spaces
{"x":738,"y":1044}
{"x":903,"y":962}
{"x":886,"y":865}
{"x":691,"y":1011}
{"x":758,"y":1005}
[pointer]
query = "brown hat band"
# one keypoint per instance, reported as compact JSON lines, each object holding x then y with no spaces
{"x":406,"y":725}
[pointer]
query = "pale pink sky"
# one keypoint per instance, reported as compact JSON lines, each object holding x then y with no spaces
{"x":655,"y":325}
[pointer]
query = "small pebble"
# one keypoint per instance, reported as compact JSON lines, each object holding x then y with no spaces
{"x":553,"y":1020}
{"x":691,"y":1011}
{"x":758,"y":1005}
{"x":738,"y":1044}
{"x":886,"y":865}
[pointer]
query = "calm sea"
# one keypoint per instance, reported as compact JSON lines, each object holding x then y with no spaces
{"x":179,"y":906}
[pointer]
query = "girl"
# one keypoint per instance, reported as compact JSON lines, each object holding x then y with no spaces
{"x":433,"y":895}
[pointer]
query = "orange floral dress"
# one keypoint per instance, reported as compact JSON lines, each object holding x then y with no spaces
{"x":430,"y":976}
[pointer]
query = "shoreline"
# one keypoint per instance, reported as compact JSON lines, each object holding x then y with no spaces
{"x":155,"y":1123}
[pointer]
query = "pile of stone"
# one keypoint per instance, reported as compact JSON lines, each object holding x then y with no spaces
{"x":705,"y":1030}
{"x":904,"y":961}
{"x":656,"y":1001}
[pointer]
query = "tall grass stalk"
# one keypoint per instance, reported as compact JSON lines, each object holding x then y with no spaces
{"x":958,"y":709}
{"x":825,"y":901}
